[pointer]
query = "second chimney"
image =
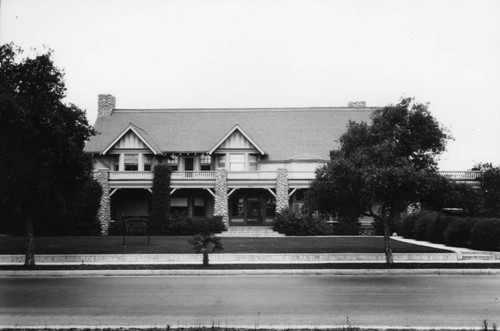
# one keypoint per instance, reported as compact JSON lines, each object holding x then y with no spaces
{"x":106,"y":103}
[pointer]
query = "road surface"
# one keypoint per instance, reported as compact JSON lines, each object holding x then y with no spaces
{"x":254,"y":301}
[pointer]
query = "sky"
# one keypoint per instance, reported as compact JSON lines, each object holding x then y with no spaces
{"x":278,"y":53}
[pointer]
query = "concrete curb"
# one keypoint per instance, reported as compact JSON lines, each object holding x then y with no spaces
{"x":338,"y":327}
{"x":247,"y":272}
{"x":193,"y":259}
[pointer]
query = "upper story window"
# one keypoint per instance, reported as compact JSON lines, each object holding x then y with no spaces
{"x":173,"y":162}
{"x":115,"y":159}
{"x":206,"y":163}
{"x":148,"y":161}
{"x":253,"y":162}
{"x":221,"y":162}
{"x":131,"y":162}
{"x":237,"y":162}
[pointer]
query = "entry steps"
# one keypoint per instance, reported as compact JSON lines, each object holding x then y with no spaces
{"x":250,"y":231}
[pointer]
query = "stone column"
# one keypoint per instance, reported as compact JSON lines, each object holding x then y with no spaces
{"x":282,"y":191}
{"x":104,"y":213}
{"x":221,"y":205}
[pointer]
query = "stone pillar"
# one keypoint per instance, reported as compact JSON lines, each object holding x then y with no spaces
{"x":282,"y":191}
{"x":221,"y":204}
{"x":104,"y":213}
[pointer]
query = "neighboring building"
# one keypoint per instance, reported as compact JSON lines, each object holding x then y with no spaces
{"x":242,"y":164}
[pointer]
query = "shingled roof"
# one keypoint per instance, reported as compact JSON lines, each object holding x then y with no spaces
{"x":283,"y":133}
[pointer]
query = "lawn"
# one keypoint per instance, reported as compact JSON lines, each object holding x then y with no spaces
{"x":179,"y":245}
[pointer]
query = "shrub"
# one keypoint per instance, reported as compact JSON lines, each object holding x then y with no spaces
{"x":85,"y":208}
{"x":457,"y":232}
{"x":420,"y":228}
{"x":347,"y":227}
{"x":181,"y":225}
{"x":407,"y":226}
{"x":435,"y":229}
{"x":485,"y":234}
{"x":293,"y":225}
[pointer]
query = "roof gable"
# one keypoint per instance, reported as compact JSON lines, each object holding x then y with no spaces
{"x":237,"y":138}
{"x":125,"y":140}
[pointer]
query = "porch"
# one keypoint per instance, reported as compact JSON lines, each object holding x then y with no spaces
{"x":206,"y":179}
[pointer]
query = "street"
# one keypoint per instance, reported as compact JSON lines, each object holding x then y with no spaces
{"x":253,"y":301}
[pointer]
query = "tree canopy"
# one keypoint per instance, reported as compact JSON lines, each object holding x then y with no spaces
{"x":382,"y":166}
{"x":42,"y":164}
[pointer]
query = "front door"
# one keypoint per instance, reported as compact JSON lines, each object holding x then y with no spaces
{"x":254,"y":211}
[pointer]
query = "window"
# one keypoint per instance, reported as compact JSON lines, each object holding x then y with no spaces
{"x":237,"y":162}
{"x":131,"y":162}
{"x":238,"y":208}
{"x":179,"y":205}
{"x":173,"y":162}
{"x":115,"y":162}
{"x":253,"y":162}
{"x":206,"y":163}
{"x":148,"y":161}
{"x":199,"y":207}
{"x":270,"y":208}
{"x":222,"y":162}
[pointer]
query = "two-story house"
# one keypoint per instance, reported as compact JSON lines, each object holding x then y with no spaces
{"x":242,"y":164}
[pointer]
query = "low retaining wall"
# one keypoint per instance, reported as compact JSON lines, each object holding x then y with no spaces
{"x":226,"y":258}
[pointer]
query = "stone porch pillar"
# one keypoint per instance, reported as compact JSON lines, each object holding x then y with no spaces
{"x":104,"y":213}
{"x":281,"y":191}
{"x":221,"y":203}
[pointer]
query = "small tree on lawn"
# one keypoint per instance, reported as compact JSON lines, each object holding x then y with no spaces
{"x":160,"y":201}
{"x":206,"y":243}
{"x":382,"y":167}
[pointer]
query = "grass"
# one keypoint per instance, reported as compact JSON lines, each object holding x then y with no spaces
{"x":179,"y":245}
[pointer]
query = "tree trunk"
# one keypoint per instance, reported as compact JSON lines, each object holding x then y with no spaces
{"x":387,"y":238}
{"x":205,"y":258}
{"x":30,"y":243}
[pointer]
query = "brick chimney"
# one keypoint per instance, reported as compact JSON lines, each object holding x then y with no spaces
{"x":105,"y":105}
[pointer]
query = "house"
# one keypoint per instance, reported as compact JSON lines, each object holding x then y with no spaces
{"x":242,"y":164}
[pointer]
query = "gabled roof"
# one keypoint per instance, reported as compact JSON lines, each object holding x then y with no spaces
{"x":283,"y":133}
{"x":237,"y":127}
{"x":140,"y":133}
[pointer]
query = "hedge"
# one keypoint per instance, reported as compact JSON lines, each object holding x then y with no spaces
{"x":423,"y":219}
{"x":435,"y":229}
{"x":181,"y":225}
{"x":485,"y":234}
{"x":458,"y":231}
{"x":293,"y":225}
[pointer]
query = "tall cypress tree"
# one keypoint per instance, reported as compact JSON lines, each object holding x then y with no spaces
{"x":160,"y":201}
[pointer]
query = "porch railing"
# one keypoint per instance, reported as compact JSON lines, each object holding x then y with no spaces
{"x":251,"y":175}
{"x":461,"y":175}
{"x":260,"y":175}
{"x":194,"y":175}
{"x":131,"y":175}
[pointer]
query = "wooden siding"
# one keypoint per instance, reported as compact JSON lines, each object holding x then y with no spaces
{"x":236,"y":141}
{"x":130,"y":141}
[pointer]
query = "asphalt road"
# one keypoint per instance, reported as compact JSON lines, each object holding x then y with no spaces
{"x":254,"y":301}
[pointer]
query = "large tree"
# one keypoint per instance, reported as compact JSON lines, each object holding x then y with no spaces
{"x":42,"y":162}
{"x":382,"y":166}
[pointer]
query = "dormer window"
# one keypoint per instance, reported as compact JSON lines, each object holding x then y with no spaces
{"x":131,"y":162}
